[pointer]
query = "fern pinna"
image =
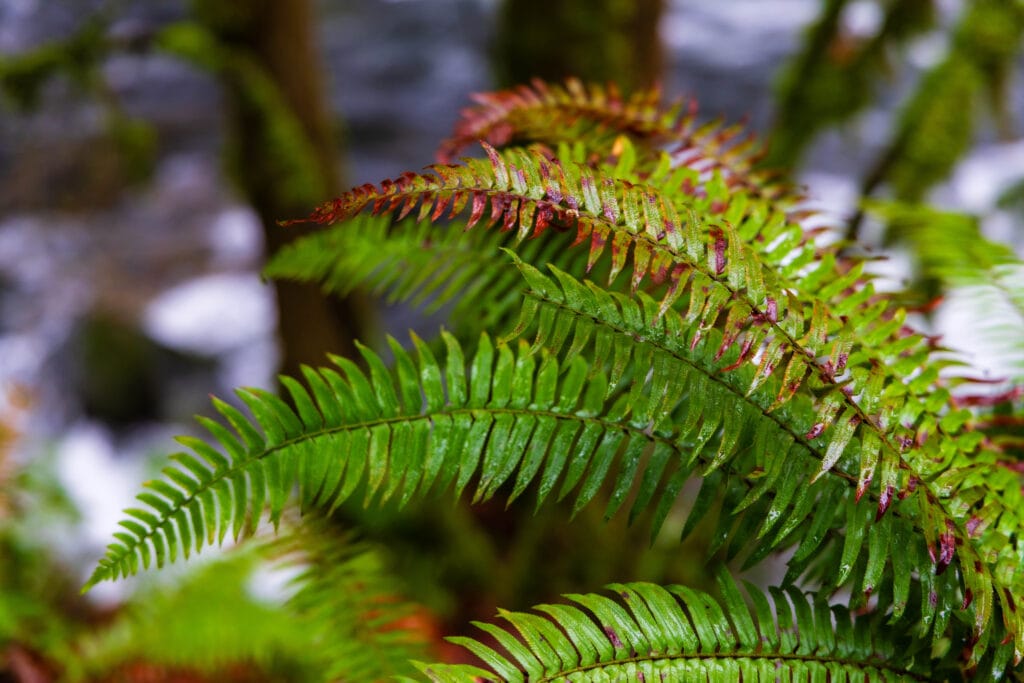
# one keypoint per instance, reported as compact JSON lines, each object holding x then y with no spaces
{"x":738,"y":350}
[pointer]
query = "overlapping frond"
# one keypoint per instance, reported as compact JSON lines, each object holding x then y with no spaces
{"x":779,"y":455}
{"x":735,"y":349}
{"x":877,"y":392}
{"x":650,"y":633}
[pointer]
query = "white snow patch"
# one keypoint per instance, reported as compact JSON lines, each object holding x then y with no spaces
{"x":212,"y":314}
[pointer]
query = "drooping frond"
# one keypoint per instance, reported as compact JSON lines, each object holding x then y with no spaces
{"x":553,"y":114}
{"x":394,"y":435}
{"x":650,"y":633}
{"x":424,"y":265}
{"x":777,"y":456}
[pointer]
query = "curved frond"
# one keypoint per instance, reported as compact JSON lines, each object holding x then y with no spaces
{"x":779,"y":454}
{"x":877,"y":385}
{"x":650,"y":633}
{"x":553,"y":114}
{"x":512,"y":419}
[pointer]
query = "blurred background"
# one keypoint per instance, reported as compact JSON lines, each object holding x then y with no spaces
{"x":147,"y":149}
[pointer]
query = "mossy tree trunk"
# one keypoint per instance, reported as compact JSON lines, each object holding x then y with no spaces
{"x":594,"y":40}
{"x":283,"y":153}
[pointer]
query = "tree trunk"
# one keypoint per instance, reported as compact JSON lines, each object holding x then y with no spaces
{"x":283,"y":154}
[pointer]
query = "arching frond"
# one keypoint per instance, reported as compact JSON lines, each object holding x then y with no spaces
{"x":877,"y":387}
{"x":546,"y":112}
{"x":650,"y":633}
{"x":394,"y":435}
{"x":779,"y":454}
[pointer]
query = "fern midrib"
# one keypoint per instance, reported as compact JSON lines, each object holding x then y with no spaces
{"x":717,"y":656}
{"x":813,"y":453}
{"x":240,"y":466}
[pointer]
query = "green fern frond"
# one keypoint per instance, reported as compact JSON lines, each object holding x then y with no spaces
{"x":630,"y":335}
{"x":650,"y":633}
{"x":420,"y":264}
{"x":821,"y":322}
{"x":393,"y":435}
{"x":208,"y":622}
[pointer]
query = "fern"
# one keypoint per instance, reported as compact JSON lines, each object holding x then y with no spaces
{"x":904,"y":427}
{"x":650,"y":633}
{"x":391,"y":443}
{"x":420,"y":264}
{"x":736,"y":350}
{"x":193,"y":625}
{"x":553,"y":114}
